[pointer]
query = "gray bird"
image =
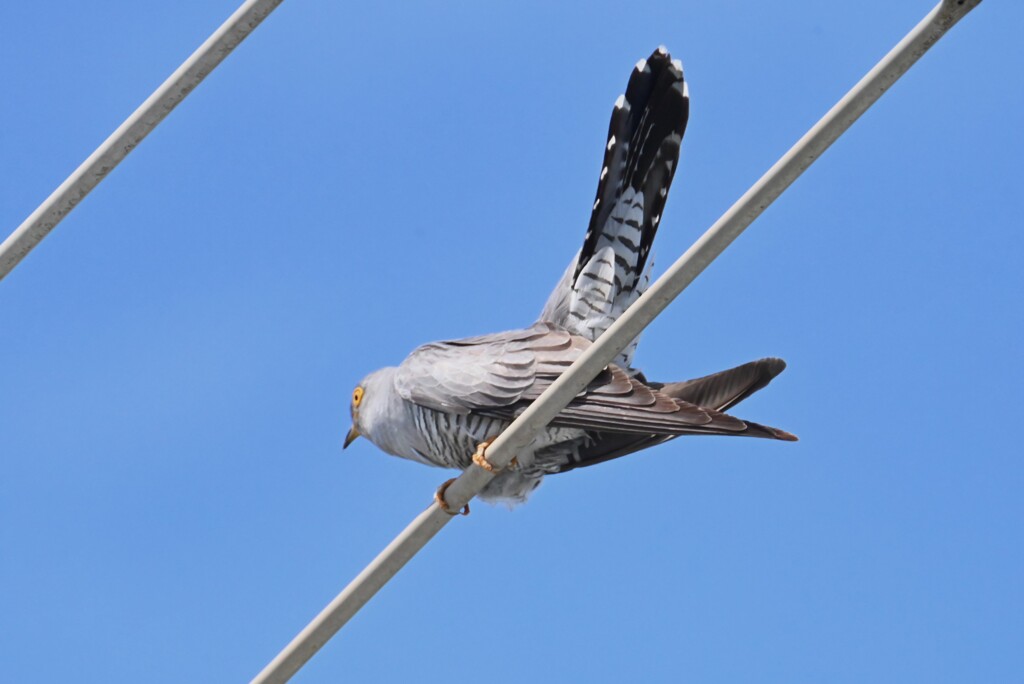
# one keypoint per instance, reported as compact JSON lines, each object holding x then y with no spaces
{"x":447,"y":400}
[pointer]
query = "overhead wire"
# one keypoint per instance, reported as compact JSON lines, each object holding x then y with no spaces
{"x":710,"y":245}
{"x":129,"y":134}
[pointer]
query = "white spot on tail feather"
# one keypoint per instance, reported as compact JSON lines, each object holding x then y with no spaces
{"x":620,"y":101}
{"x":641,"y":65}
{"x":611,"y":143}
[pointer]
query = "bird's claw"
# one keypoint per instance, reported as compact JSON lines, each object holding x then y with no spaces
{"x":480,"y":458}
{"x":439,"y":498}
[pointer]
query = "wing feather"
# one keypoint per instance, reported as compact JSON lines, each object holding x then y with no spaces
{"x":500,"y":375}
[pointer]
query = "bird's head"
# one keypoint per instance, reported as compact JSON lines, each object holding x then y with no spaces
{"x":369,"y":405}
{"x":357,"y":399}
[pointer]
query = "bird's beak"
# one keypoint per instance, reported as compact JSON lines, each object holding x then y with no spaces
{"x":350,"y":437}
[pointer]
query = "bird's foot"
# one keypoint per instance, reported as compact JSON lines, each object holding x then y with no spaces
{"x":439,"y":498}
{"x":480,"y":458}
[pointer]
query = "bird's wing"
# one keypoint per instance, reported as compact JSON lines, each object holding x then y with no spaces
{"x":485,"y":373}
{"x":719,"y":391}
{"x":725,"y":389}
{"x":641,"y":154}
{"x":500,"y":374}
{"x":624,"y":404}
{"x":605,"y":446}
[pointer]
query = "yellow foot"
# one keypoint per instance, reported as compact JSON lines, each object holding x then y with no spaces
{"x":439,"y":498}
{"x":480,"y":458}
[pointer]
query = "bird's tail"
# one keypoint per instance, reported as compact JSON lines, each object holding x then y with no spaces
{"x":613,"y":268}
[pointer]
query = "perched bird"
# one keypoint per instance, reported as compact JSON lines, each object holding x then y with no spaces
{"x":448,"y":400}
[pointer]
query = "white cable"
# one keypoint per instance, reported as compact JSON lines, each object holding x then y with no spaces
{"x":590,"y":363}
{"x":129,"y":134}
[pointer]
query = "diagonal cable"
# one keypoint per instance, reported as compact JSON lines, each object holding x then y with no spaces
{"x":630,"y":324}
{"x":130,"y":133}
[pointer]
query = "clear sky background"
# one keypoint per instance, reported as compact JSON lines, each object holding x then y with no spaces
{"x":357,"y":179}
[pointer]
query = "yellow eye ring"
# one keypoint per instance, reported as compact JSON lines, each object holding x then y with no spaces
{"x":357,"y":396}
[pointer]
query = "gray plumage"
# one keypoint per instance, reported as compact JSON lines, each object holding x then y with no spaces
{"x":448,"y":397}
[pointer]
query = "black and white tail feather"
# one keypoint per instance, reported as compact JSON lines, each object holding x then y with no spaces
{"x":613,"y":268}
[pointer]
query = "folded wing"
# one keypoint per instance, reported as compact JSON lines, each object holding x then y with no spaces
{"x":499,"y":375}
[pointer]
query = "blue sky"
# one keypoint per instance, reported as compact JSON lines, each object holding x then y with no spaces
{"x":358,"y":179}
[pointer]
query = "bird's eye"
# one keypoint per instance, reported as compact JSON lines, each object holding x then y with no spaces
{"x":357,"y":396}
